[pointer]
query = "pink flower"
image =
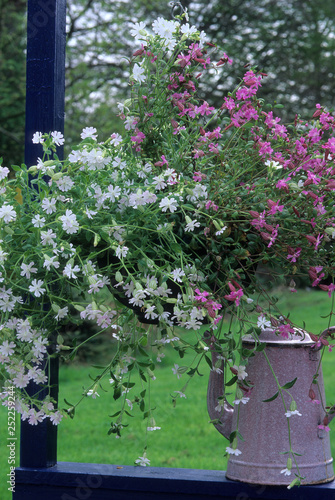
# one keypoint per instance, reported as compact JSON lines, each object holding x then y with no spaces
{"x":212,"y":205}
{"x":198,"y":176}
{"x":161,"y":163}
{"x":328,"y":288}
{"x":235,"y":294}
{"x":324,"y":427}
{"x":139,"y":137}
{"x":274,"y":207}
{"x":229,"y":103}
{"x":282,"y":184}
{"x":201,"y":295}
{"x":294,"y":254}
{"x":285,"y":330}
{"x":204,"y":109}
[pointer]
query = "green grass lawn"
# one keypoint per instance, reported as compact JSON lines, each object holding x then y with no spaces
{"x":186,"y":439}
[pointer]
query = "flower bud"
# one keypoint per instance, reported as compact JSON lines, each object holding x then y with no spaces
{"x":293,"y":405}
{"x":118,"y":277}
{"x":57,"y":176}
{"x":311,"y":394}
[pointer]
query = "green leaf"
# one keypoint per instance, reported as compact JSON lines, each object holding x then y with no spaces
{"x":272,"y":398}
{"x":143,"y":352}
{"x":115,"y":414}
{"x":231,"y":381}
{"x":209,"y":362}
{"x":288,"y":385}
{"x":117,"y":392}
{"x":66,"y":402}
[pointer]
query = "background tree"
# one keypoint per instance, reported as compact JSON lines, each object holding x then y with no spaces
{"x":12,"y":79}
{"x":292,"y":41}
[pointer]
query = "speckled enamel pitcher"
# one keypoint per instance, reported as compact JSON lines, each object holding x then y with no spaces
{"x":264,"y":426}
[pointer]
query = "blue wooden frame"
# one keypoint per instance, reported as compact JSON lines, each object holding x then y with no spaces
{"x":39,"y":476}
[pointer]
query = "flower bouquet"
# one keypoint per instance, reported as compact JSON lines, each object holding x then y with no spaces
{"x":178,"y":223}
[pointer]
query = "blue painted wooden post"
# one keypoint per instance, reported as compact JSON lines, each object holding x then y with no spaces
{"x":46,"y":39}
{"x":40,"y":477}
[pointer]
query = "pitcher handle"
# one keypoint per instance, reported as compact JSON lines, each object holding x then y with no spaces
{"x":218,"y":410}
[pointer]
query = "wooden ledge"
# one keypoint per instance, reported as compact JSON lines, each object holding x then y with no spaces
{"x":82,"y":481}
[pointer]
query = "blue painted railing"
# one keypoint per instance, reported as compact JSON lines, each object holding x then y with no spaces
{"x":39,"y":476}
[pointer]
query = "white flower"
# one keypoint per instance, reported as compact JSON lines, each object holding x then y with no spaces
{"x":21,"y":380}
{"x":164,"y":28}
{"x":177,"y":274}
{"x":49,"y":206}
{"x":138,"y":73}
{"x":142,"y":461}
{"x":138,"y":30}
{"x":121,"y":252}
{"x":113,"y":192}
{"x":62,"y":313}
{"x":168,"y":203}
{"x":35,"y":417}
{"x":181,"y":394}
{"x":38,"y":221}
{"x":242,"y":400}
{"x":175,"y":370}
{"x":6,"y":348}
{"x":190,"y":226}
{"x":58,"y":138}
{"x":241,"y":373}
{"x":36,"y":288}
{"x":37,"y":138}
{"x":4,"y":171}
{"x":188,"y":30}
{"x":286,"y":472}
{"x":50,"y":261}
{"x":2,"y":256}
{"x":159,"y":182}
{"x":90,"y":213}
{"x":153,"y":428}
{"x":47,"y":237}
{"x":92,"y":393}
{"x":221,"y":231}
{"x":116,"y":139}
{"x":7,"y":213}
{"x":69,"y":271}
{"x":69,"y":222}
{"x":27,"y":269}
{"x":56,"y":417}
{"x":149,"y":313}
{"x":202,"y":39}
{"x":273,"y":164}
{"x":263,"y":323}
{"x":233,"y":451}
{"x":289,"y":413}
{"x":65,"y":183}
{"x":89,"y":132}
{"x":44,"y":168}
{"x":39,"y":346}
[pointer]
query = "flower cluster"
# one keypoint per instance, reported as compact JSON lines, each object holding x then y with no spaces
{"x":172,"y":219}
